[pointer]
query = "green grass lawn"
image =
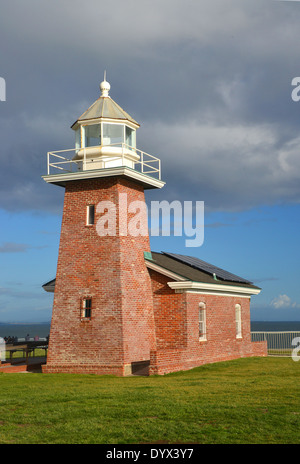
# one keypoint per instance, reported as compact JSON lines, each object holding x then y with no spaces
{"x":253,"y":400}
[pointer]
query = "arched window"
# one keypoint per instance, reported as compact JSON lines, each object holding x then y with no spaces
{"x":202,"y":321}
{"x":238,"y":321}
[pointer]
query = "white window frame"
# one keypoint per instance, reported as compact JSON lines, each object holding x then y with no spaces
{"x":88,"y":215}
{"x":202,"y":322}
{"x":85,"y":309}
{"x":238,"y":320}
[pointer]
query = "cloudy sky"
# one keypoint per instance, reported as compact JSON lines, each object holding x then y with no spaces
{"x":209,"y":81}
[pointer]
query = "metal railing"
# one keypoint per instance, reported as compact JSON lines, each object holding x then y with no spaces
{"x":63,"y":160}
{"x":278,"y":343}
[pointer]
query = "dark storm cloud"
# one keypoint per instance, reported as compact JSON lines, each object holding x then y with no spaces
{"x":210,"y":83}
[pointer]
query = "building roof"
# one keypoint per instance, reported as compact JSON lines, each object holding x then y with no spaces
{"x":49,"y":286}
{"x":187,"y":268}
{"x":105,"y":107}
{"x":196,"y":270}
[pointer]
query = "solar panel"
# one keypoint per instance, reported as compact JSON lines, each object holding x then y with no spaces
{"x":206,"y":267}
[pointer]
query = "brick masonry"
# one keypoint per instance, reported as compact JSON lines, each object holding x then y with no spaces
{"x":136,"y":317}
{"x":177,"y":329}
{"x":109,"y":269}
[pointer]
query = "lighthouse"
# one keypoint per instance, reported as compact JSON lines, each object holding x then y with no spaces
{"x":120,"y":308}
{"x":102,"y":318}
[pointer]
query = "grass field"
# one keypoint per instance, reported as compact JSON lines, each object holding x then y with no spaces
{"x":253,"y":400}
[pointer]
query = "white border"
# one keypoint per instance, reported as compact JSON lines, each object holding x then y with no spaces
{"x":106,"y":172}
{"x":213,"y":288}
{"x":183,"y":285}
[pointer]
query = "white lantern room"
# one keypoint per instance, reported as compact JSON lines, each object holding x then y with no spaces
{"x":105,"y":135}
{"x":105,"y":145}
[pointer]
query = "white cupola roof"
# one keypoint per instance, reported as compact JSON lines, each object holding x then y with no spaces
{"x":105,"y":108}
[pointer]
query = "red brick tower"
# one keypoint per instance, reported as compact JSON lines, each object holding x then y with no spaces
{"x":102,"y":320}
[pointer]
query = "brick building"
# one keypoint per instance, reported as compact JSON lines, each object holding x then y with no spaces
{"x":118,"y":307}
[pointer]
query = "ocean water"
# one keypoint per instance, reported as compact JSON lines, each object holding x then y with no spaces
{"x":21,"y":330}
{"x":43,"y":330}
{"x":275,"y":326}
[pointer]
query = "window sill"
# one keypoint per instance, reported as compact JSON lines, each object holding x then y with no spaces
{"x":85,"y":319}
{"x":202,"y":339}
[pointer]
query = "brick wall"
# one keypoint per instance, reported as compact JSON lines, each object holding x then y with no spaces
{"x":177,"y":329}
{"x":110,"y":270}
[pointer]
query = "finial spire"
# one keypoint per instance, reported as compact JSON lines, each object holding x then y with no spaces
{"x":104,"y":86}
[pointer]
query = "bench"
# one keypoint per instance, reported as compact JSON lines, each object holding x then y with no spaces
{"x":26,"y":348}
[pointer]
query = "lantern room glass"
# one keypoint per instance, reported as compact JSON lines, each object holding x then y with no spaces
{"x":91,"y":135}
{"x":130,"y":135}
{"x":112,"y":134}
{"x":78,"y":138}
